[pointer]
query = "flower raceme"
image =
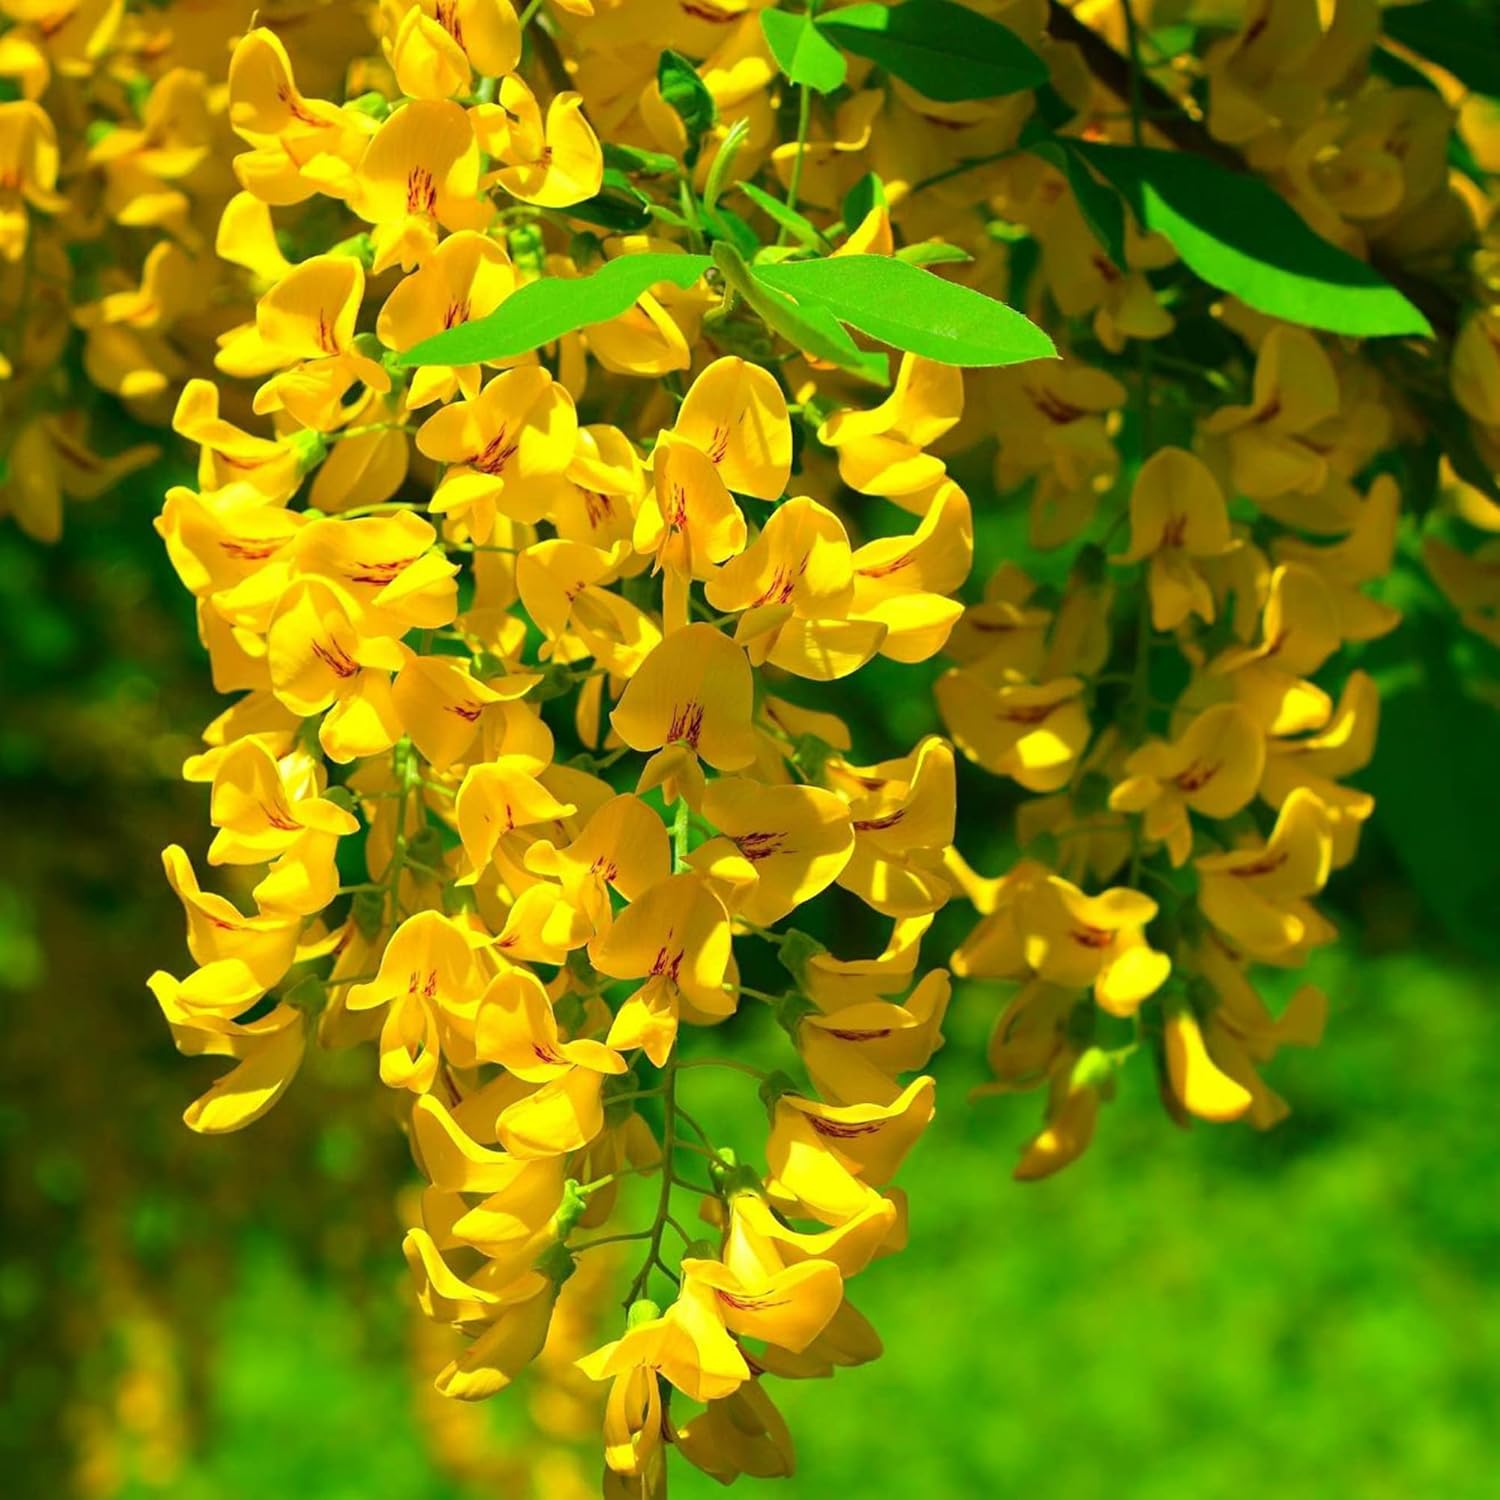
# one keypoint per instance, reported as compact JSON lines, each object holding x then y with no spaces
{"x":547,"y":621}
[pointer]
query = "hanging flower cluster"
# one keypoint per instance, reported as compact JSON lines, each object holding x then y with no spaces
{"x":421,"y":579}
{"x":544,"y":500}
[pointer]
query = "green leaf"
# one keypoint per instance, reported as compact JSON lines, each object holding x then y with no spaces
{"x":1241,"y":236}
{"x":902,"y":305}
{"x":545,"y":310}
{"x":633,"y":159}
{"x":933,"y":253}
{"x":811,"y":329}
{"x":802,"y":52}
{"x":1098,"y":202}
{"x":686,"y":92}
{"x":1462,"y":36}
{"x":804,"y":230}
{"x":943,"y":50}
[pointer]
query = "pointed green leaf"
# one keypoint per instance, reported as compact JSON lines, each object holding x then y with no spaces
{"x":1462,"y":36}
{"x":802,"y":228}
{"x":688,"y":95}
{"x":943,"y":50}
{"x":1097,"y":201}
{"x":802,"y":52}
{"x":1241,"y":236}
{"x":545,"y":310}
{"x":809,"y":328}
{"x":902,"y":305}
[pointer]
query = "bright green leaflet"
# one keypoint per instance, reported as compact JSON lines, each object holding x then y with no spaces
{"x":802,"y":52}
{"x":810,"y":329}
{"x":902,"y":305}
{"x":1242,"y":237}
{"x":553,"y":306}
{"x":686,"y":92}
{"x":803,"y":229}
{"x":945,"y":51}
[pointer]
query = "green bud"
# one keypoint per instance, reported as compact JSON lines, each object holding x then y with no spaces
{"x":457,"y":900}
{"x":557,"y":680}
{"x":341,"y":797}
{"x":527,"y":247}
{"x":1094,"y":1070}
{"x":309,"y":994}
{"x":791,"y":1010}
{"x":555,"y":1262}
{"x":358,"y":247}
{"x":812,"y":753}
{"x":370,"y":346}
{"x":309,"y":448}
{"x":426,"y":848}
{"x":774,"y":1087}
{"x":369,"y":913}
{"x":730,"y":1177}
{"x":701,"y":1250}
{"x":570,"y":1210}
{"x":642,"y":1311}
{"x":138,"y":91}
{"x":377,"y":106}
{"x":797,"y":950}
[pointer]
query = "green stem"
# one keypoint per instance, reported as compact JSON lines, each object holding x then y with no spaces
{"x":664,"y":1198}
{"x":724,"y":1062}
{"x":794,"y":186}
{"x":681,"y":815}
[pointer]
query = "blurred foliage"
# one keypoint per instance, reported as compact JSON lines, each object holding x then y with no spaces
{"x":1176,"y":1316}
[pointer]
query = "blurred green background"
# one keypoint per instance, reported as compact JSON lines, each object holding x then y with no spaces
{"x":1182,"y":1314}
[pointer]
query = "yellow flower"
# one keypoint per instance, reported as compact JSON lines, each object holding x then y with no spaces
{"x":778,"y":846}
{"x":319,"y":661}
{"x":435,"y":46}
{"x":855,"y":1053}
{"x":1257,"y":897}
{"x":903,"y":814}
{"x":516,"y":1028}
{"x":430,"y":982}
{"x":691,"y":697}
{"x":675,"y":937}
{"x":28,"y":172}
{"x":884,"y":451}
{"x":552,"y":165}
{"x":826,"y":1161}
{"x":507,"y":449}
{"x":267,"y":810}
{"x":687,"y":1346}
{"x":1213,"y":768}
{"x":306,"y":321}
{"x":466,"y":278}
{"x":1177,"y":516}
